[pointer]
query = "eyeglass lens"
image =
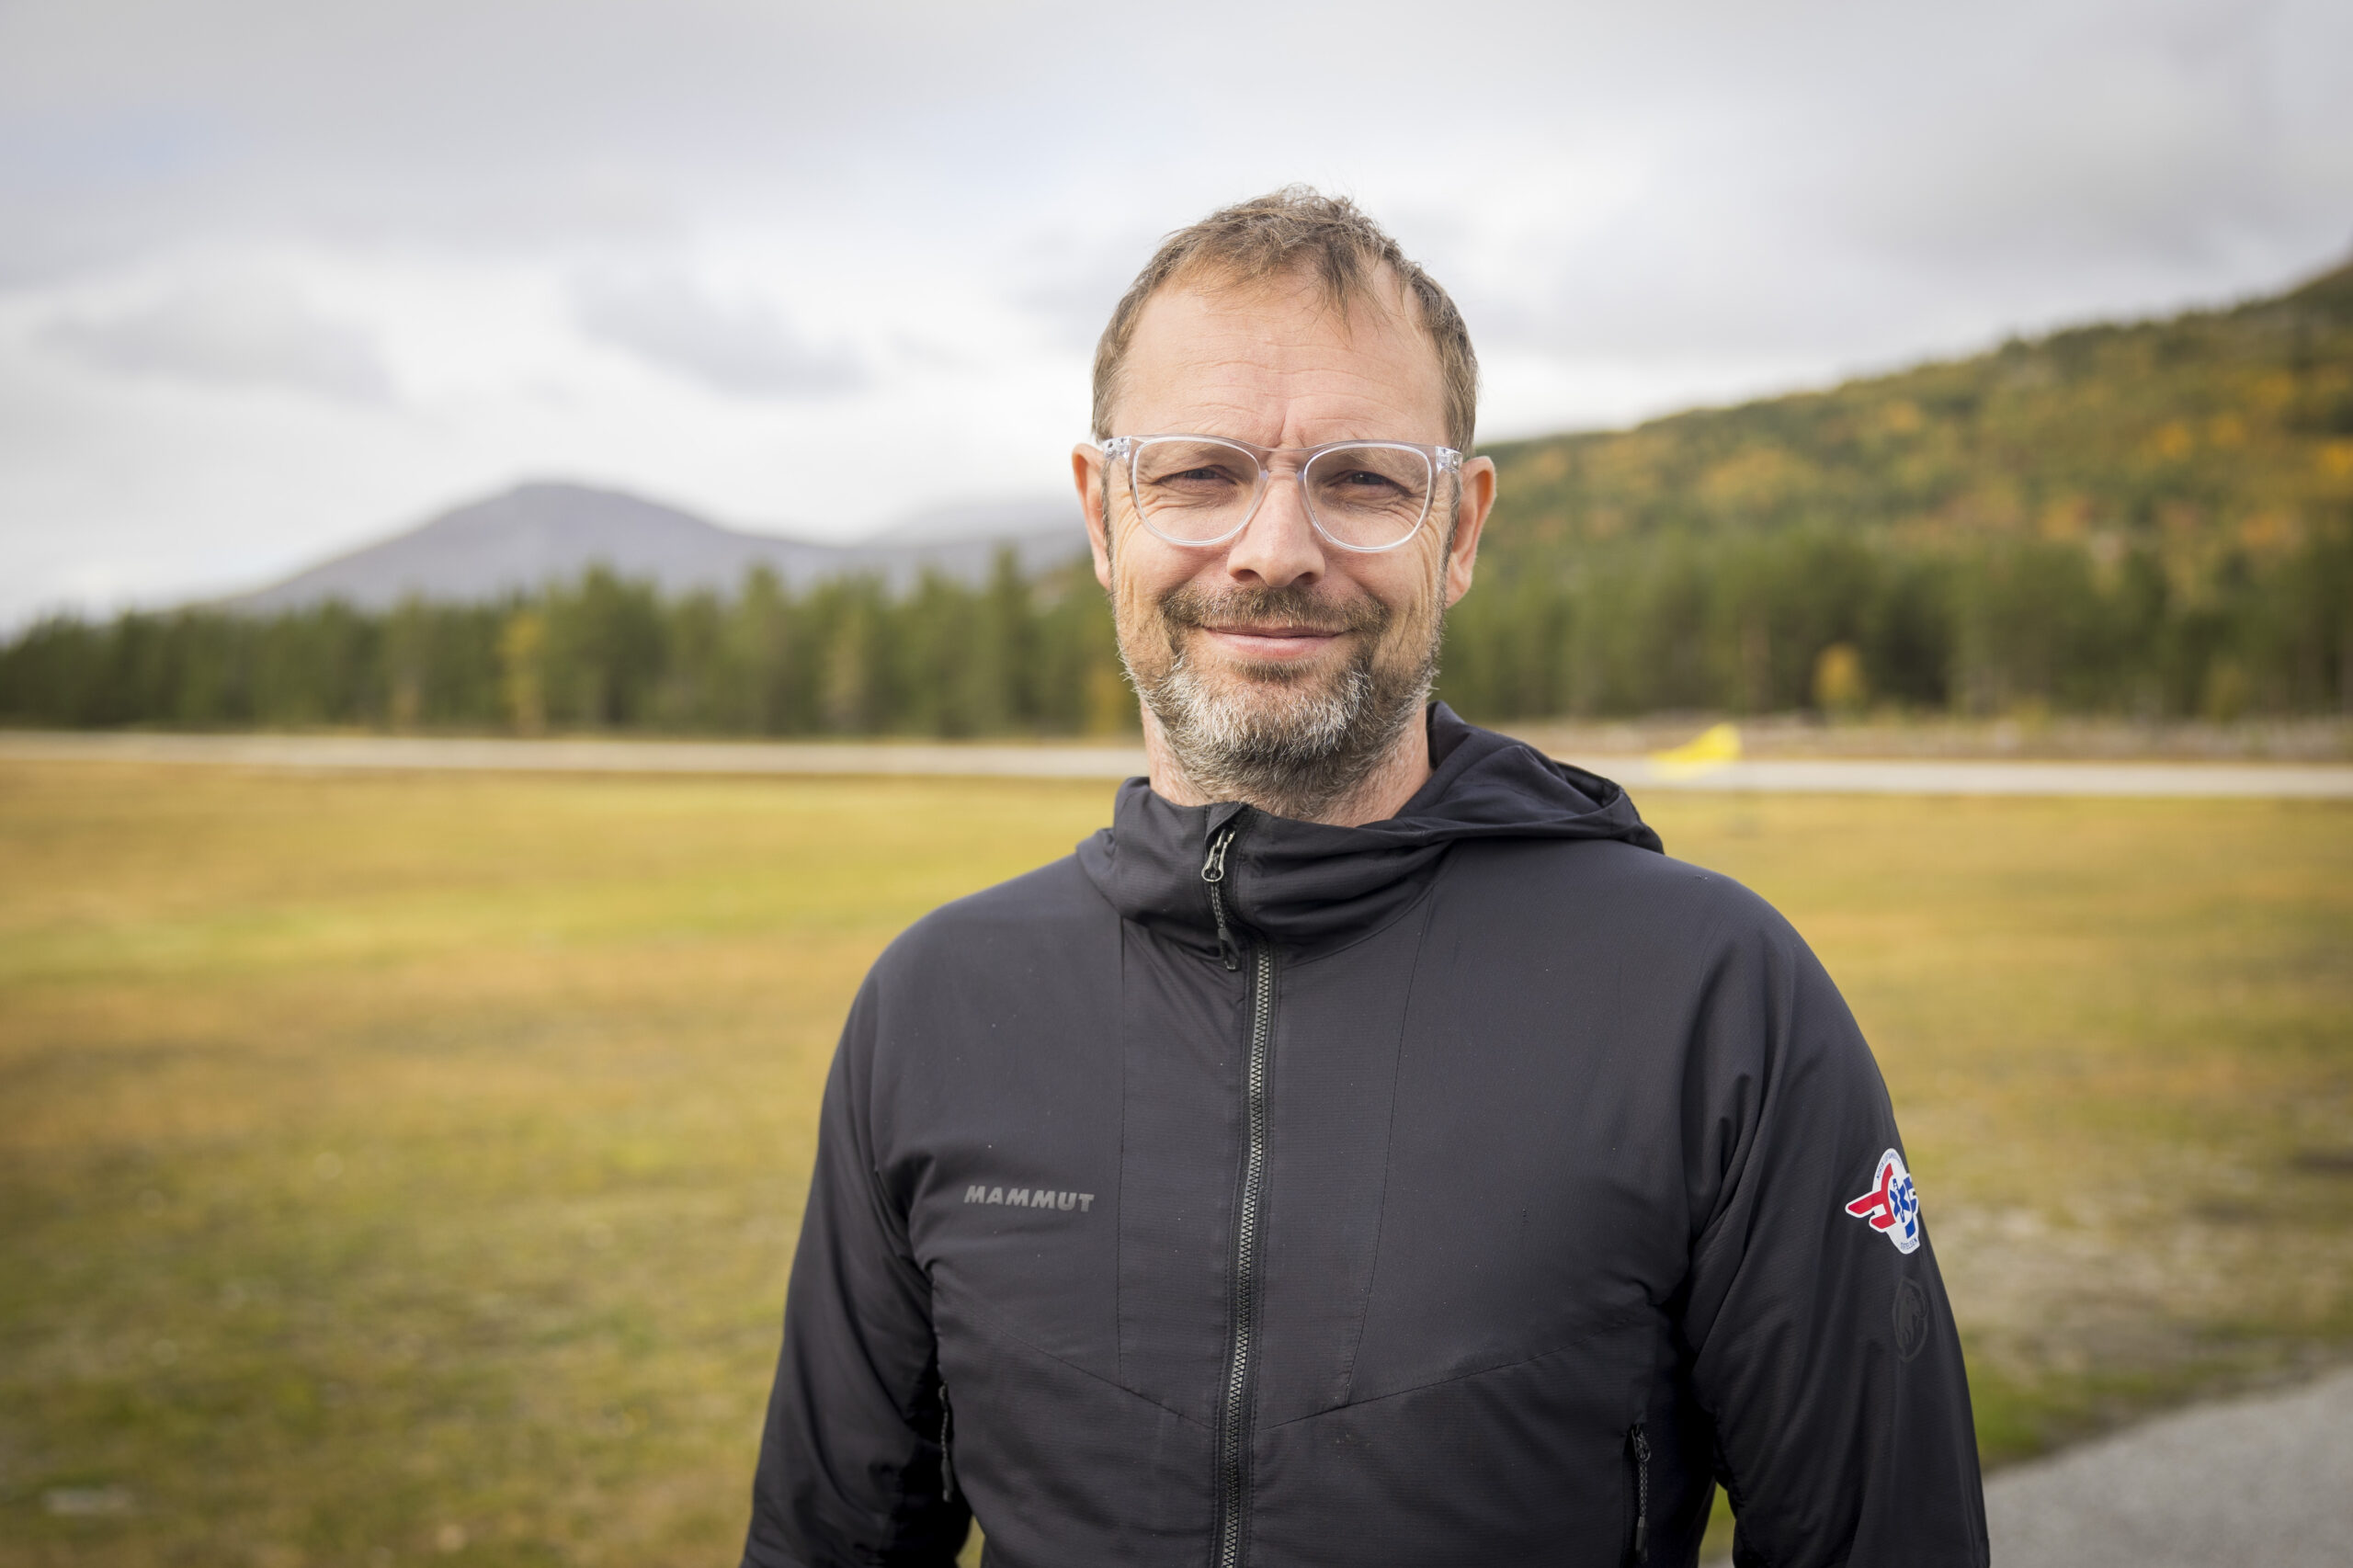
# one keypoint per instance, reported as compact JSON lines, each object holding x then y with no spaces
{"x":1197,"y":492}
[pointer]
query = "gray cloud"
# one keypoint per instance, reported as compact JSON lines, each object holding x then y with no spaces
{"x":1069,"y":280}
{"x":228,"y":334}
{"x":739,"y":348}
{"x":2042,"y":156}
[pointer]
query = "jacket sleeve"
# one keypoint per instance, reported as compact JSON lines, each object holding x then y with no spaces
{"x":850,"y":1466}
{"x":1822,"y":1345}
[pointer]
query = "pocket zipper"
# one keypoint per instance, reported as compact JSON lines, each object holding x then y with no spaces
{"x":947,"y":1461}
{"x":1640,"y":1441}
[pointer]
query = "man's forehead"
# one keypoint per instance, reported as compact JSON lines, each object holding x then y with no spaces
{"x":1288,"y":305}
{"x":1208,"y":333}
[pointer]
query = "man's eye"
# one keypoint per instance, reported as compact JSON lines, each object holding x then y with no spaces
{"x":1193,"y":480}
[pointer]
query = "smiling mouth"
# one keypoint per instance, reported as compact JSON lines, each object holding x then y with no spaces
{"x":1280,"y":642}
{"x":1270,"y":626}
{"x":1231,"y":630}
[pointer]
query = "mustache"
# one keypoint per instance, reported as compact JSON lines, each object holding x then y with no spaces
{"x":1289,"y":606}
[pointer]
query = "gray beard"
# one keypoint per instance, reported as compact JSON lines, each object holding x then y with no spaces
{"x":1278,"y":739}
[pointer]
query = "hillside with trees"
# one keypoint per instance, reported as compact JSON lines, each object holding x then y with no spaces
{"x":2152,"y":520}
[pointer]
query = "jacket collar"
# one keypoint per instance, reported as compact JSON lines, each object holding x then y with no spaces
{"x":1309,"y":885}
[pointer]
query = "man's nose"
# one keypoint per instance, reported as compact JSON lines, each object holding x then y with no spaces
{"x":1281,"y":545}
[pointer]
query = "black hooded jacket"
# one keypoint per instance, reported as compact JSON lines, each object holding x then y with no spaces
{"x":1474,"y":1187}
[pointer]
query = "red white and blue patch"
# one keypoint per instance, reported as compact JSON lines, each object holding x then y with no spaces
{"x":1892,"y":1207}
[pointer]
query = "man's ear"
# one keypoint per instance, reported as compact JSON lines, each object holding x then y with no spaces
{"x":1474,"y":498}
{"x":1087,"y":470}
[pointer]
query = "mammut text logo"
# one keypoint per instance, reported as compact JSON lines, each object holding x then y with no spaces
{"x":1028,"y":1197}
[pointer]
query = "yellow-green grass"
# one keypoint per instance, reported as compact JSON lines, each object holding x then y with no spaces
{"x":399,"y":1167}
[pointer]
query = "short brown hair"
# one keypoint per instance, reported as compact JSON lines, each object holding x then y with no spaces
{"x":1296,"y":227}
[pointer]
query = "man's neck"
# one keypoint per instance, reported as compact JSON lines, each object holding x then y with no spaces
{"x":1392,"y":783}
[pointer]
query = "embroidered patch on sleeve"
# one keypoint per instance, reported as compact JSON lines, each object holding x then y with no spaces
{"x":1891,"y":1206}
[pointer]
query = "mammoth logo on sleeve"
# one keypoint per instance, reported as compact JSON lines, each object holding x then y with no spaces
{"x":1892,"y":1207}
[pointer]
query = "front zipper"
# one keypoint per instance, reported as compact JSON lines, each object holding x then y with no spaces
{"x":1233,"y":1432}
{"x":1234,"y":1413}
{"x":1640,"y":1441}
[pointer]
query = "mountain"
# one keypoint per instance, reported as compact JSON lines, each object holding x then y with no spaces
{"x":976,"y":519}
{"x":2212,"y":442}
{"x":2196,"y":437}
{"x":2148,"y":517}
{"x":546,"y":533}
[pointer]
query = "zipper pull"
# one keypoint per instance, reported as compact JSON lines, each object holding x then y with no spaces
{"x":1213,"y":873}
{"x":1642,"y":1441}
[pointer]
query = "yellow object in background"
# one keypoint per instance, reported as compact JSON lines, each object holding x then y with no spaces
{"x":1708,"y":750}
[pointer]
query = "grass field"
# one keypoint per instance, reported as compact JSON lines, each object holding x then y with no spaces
{"x":407,"y":1167}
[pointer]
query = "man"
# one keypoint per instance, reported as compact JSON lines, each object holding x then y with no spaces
{"x":1371,"y":1149}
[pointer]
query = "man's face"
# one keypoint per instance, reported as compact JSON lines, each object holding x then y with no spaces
{"x":1279,"y":665}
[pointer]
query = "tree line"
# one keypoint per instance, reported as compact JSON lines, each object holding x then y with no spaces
{"x":1822,"y":619}
{"x":1803,"y":618}
{"x":1008,"y":655}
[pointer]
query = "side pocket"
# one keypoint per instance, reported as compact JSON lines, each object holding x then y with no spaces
{"x":947,"y":1454}
{"x":1638,"y":1453}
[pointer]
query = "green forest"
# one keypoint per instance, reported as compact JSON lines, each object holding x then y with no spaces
{"x":2153,"y":519}
{"x":1013,"y":656}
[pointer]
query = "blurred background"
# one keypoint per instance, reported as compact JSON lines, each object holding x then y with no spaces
{"x":405,"y":1163}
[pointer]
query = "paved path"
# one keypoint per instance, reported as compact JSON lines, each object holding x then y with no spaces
{"x":2265,"y":780}
{"x":2267,"y":1481}
{"x":2260,"y":1482}
{"x":1845,"y":776}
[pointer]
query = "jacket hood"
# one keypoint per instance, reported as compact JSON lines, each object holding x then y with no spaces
{"x":1304,"y":884}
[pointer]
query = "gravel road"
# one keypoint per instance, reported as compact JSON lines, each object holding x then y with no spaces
{"x":2266,"y":1480}
{"x":2259,"y":1482}
{"x":1642,"y":774}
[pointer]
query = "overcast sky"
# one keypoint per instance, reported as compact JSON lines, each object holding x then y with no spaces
{"x":277,"y":279}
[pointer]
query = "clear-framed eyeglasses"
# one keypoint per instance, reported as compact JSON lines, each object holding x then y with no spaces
{"x":1203,"y":490}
